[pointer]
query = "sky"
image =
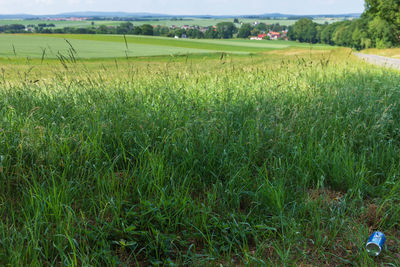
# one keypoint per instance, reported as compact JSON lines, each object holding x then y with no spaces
{"x":185,"y":7}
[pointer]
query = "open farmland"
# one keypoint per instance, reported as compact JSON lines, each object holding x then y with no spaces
{"x":111,"y":46}
{"x":288,"y":157}
{"x":163,"y":22}
{"x":61,"y":24}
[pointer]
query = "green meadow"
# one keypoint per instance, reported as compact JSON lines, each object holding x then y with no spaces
{"x":116,"y":46}
{"x":33,"y":46}
{"x":228,"y":153}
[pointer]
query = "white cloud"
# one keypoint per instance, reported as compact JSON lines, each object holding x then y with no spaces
{"x":44,"y":2}
{"x":73,"y":2}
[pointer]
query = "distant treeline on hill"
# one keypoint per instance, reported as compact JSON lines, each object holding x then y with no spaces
{"x":137,"y":19}
{"x":378,"y":26}
{"x":222,"y":30}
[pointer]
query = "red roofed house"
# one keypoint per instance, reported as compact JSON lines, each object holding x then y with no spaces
{"x":262,"y":36}
{"x":274,"y":35}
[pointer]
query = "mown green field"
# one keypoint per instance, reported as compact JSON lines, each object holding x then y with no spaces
{"x":34,"y":45}
{"x":287,"y":158}
{"x":111,"y":46}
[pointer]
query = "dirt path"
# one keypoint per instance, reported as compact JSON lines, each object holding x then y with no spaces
{"x":379,"y":60}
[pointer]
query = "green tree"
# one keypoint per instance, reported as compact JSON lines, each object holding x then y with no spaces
{"x":385,"y":13}
{"x":262,"y":27}
{"x":381,"y":33}
{"x":147,"y":29}
{"x":180,"y":32}
{"x":211,"y":33}
{"x":342,"y":34}
{"x":291,"y":34}
{"x":326,"y":34}
{"x":320,"y":28}
{"x":160,"y":30}
{"x":156,"y":31}
{"x":255,"y":31}
{"x":244,"y":31}
{"x":164,"y":31}
{"x":277,"y":27}
{"x":102,"y":29}
{"x":125,"y":28}
{"x":137,"y":30}
{"x":304,"y":30}
{"x":226,"y":30}
{"x":194,"y":33}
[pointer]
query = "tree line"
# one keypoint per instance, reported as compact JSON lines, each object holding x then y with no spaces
{"x":378,"y":26}
{"x":222,"y":30}
{"x":12,"y":28}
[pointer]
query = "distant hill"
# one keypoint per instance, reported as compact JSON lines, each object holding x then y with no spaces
{"x":18,"y":16}
{"x":110,"y":14}
{"x":155,"y":15}
{"x":279,"y":15}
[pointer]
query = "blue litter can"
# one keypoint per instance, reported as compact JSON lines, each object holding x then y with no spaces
{"x":375,"y":243}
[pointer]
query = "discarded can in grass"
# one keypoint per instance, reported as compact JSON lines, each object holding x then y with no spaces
{"x":375,"y":243}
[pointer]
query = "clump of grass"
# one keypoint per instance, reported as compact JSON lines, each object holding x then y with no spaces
{"x":257,"y":161}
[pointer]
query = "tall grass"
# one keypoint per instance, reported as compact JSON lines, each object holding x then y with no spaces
{"x":257,"y":161}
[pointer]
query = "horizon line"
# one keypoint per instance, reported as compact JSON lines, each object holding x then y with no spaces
{"x":161,"y":14}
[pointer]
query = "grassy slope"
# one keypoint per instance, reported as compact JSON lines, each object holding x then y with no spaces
{"x":33,"y":45}
{"x":164,"y":41}
{"x":247,"y":160}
